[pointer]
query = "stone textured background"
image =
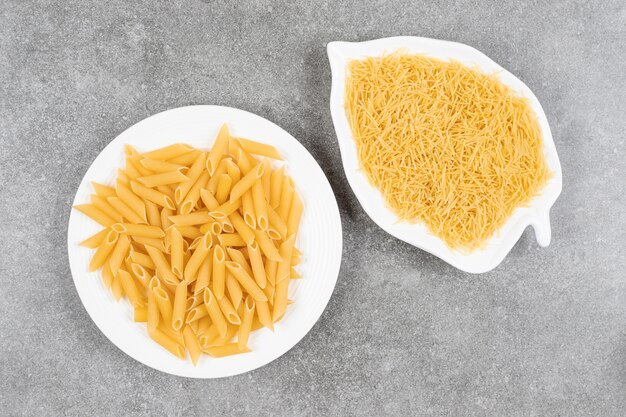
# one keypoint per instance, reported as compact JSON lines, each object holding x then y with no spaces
{"x":404,"y":334}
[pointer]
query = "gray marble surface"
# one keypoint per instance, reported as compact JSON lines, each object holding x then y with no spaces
{"x":544,"y":334}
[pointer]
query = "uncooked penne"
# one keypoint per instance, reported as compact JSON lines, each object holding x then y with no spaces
{"x":219,"y":148}
{"x":215,"y":312}
{"x":163,"y":178}
{"x":143,"y":230}
{"x":219,"y":272}
{"x":199,"y":242}
{"x":258,"y":148}
{"x":246,"y":281}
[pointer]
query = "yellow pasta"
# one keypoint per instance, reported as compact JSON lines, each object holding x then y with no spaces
{"x":162,"y":265}
{"x":96,"y":240}
{"x":246,"y":323}
{"x":129,"y":198}
{"x":219,"y":272}
{"x":178,"y":311}
{"x":228,"y":311}
{"x":163,"y":178}
{"x":96,"y":214}
{"x":177,"y":252}
{"x":295,"y":213}
{"x":103,"y":190}
{"x":446,"y":145}
{"x":213,"y":308}
{"x":247,"y":182}
{"x":192,"y":345}
{"x":155,"y":196}
{"x":168,"y":152}
{"x":196,"y":169}
{"x":103,"y":205}
{"x":246,"y":281}
{"x":217,"y":151}
{"x":156,"y":165}
{"x":193,"y":195}
{"x":126,"y":212}
{"x":130,"y":289}
{"x":248,"y":209}
{"x":234,"y":290}
{"x":199,"y":242}
{"x":256,"y":262}
{"x":258,"y":148}
{"x":138,"y":230}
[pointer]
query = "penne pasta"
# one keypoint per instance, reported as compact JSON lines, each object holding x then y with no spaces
{"x":103,"y":190}
{"x":246,"y":281}
{"x":264,"y":314}
{"x":217,"y":151}
{"x":219,"y":272}
{"x":248,"y":209}
{"x":200,"y":252}
{"x":130,"y":289}
{"x":168,"y":152}
{"x":228,"y":311}
{"x":178,"y":311}
{"x":226,"y":350}
{"x":266,"y":245}
{"x":192,"y":345}
{"x":96,"y":214}
{"x":191,"y":219}
{"x":223,"y":188}
{"x":258,"y":148}
{"x":260,"y":205}
{"x":243,"y":333}
{"x":203,"y":277}
{"x":256,"y":262}
{"x":103,"y":251}
{"x":126,"y":212}
{"x":283,"y":271}
{"x":142,"y":230}
{"x":215,"y":312}
{"x":246,"y":233}
{"x":193,"y":195}
{"x":276,"y":183}
{"x":131,"y":200}
{"x":104,"y":206}
{"x":295,"y":214}
{"x":155,"y":196}
{"x":234,"y":290}
{"x":245,"y":183}
{"x":177,"y":252}
{"x":193,"y":174}
{"x":152,"y":213}
{"x":286,"y":196}
{"x":164,"y":178}
{"x":230,"y":240}
{"x":201,"y":244}
{"x":186,"y":159}
{"x":168,"y":343}
{"x":96,"y":240}
{"x":158,"y":166}
{"x":163,"y":268}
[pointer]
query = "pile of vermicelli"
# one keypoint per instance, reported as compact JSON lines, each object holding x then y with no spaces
{"x":446,"y":145}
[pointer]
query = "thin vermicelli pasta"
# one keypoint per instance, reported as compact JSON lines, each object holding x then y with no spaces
{"x":445,"y":144}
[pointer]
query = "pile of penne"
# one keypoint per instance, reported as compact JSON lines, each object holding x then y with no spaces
{"x":200,"y":243}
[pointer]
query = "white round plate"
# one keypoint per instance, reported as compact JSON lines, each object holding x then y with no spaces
{"x":320,"y":240}
{"x":536,"y":214}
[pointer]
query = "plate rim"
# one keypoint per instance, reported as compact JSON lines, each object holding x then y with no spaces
{"x":335,"y":265}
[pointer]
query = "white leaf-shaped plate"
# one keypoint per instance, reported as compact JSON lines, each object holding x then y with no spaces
{"x":496,"y":249}
{"x":319,"y":240}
